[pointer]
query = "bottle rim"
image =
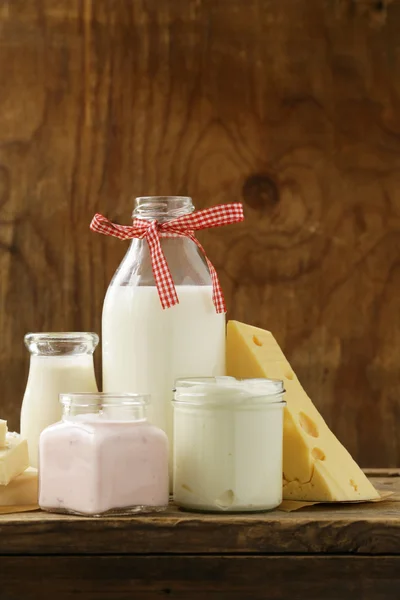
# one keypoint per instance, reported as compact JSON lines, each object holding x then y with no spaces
{"x":162,"y":207}
{"x":140,"y":199}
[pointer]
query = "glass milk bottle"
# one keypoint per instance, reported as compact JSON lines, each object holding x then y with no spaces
{"x":146,"y":347}
{"x":60,"y":363}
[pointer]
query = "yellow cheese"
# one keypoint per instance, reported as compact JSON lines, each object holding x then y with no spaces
{"x":21,"y":491}
{"x":316,"y":466}
{"x":13,"y":458}
{"x":3,"y":432}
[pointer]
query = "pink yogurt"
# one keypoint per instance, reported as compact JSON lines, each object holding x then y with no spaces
{"x":91,"y":465}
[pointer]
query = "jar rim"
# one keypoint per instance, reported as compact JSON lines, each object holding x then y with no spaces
{"x":225,"y":390}
{"x":61,"y":343}
{"x":62,"y":336}
{"x":104,"y":399}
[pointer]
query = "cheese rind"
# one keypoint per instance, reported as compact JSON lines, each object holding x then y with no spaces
{"x":21,"y":491}
{"x":3,"y":433}
{"x":14,"y":458}
{"x":316,"y":466}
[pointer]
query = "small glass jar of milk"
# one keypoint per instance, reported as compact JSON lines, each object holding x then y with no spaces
{"x":104,"y":457}
{"x":60,"y":362}
{"x":145,"y":347}
{"x":228,"y":444}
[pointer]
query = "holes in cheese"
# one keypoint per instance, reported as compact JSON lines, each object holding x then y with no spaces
{"x":308,"y":425}
{"x":305,"y":477}
{"x":318,"y":454}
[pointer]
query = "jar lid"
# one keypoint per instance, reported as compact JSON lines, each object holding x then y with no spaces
{"x":226,"y":390}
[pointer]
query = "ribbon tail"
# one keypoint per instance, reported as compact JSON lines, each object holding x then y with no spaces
{"x":218,"y":296}
{"x":162,"y":275}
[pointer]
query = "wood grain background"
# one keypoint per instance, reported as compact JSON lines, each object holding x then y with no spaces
{"x":292,"y":106}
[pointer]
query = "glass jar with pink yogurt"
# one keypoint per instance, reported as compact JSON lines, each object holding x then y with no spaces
{"x":104,"y":457}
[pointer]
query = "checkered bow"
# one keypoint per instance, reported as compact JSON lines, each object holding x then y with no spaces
{"x":223,"y":214}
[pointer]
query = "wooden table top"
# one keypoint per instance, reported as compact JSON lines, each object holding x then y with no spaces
{"x":366,"y":528}
{"x":335,"y":552}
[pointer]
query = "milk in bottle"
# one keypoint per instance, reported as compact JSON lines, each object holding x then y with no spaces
{"x":146,"y":347}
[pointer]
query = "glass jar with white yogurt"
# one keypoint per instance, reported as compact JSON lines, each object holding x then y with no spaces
{"x":104,"y":457}
{"x":60,"y":362}
{"x":228,"y":444}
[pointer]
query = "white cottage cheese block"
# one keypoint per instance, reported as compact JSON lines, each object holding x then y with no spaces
{"x":21,"y":491}
{"x":14,"y":458}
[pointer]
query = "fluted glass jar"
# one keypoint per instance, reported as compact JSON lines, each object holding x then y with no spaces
{"x":145,"y":348}
{"x":104,"y":457}
{"x":59,"y":362}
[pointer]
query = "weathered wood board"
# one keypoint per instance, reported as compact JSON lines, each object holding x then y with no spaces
{"x":333,"y":552}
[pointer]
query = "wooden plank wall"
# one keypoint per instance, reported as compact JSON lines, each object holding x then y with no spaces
{"x":292,"y":106}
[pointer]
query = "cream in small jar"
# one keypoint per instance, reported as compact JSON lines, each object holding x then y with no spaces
{"x":103,"y":457}
{"x":228,"y":444}
{"x":59,"y":363}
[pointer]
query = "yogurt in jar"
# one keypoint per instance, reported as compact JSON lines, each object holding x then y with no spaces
{"x":228,"y":444}
{"x":103,"y":458}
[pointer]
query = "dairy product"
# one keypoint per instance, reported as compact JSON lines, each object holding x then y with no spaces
{"x":3,"y":432}
{"x":48,"y":377}
{"x":13,"y":458}
{"x":316,"y":466}
{"x":21,"y":491}
{"x":145,"y":348}
{"x":228,"y":444}
{"x":91,"y":465}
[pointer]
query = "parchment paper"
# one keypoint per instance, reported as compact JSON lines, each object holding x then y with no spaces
{"x":292,"y":505}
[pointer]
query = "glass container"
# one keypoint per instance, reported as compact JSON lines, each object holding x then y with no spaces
{"x":104,"y":457}
{"x":228,"y":444}
{"x":145,"y":348}
{"x":59,"y":362}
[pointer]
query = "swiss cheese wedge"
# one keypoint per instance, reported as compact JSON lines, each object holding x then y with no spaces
{"x":316,"y":466}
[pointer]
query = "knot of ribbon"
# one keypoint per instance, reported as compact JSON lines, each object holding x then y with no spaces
{"x":185,"y":226}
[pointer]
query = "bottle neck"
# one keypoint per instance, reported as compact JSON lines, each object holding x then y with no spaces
{"x":185,"y":262}
{"x":162,"y":208}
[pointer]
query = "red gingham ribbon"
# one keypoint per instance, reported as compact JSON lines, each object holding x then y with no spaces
{"x":223,"y":214}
